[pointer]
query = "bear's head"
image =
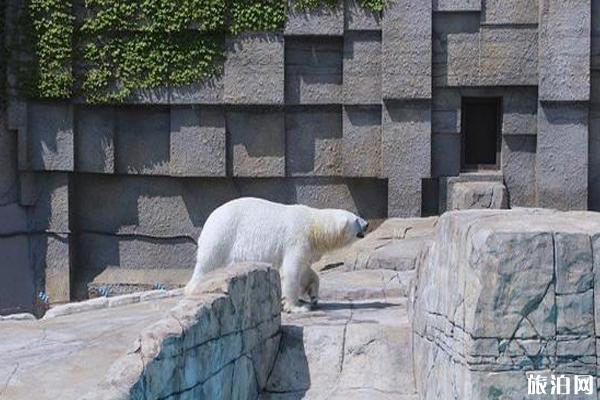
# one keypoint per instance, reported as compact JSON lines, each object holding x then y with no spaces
{"x":337,"y":228}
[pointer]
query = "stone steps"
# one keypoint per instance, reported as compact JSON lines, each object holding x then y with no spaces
{"x":357,"y":343}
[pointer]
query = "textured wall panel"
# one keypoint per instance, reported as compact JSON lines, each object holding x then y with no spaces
{"x":254,"y":69}
{"x":362,"y":141}
{"x":456,"y":49}
{"x":257,"y":140}
{"x":407,"y":50}
{"x":508,"y":56}
{"x":562,"y":156}
{"x":564,"y":55}
{"x":50,"y":136}
{"x":95,"y":139}
{"x":197,"y":141}
{"x":406,"y":154}
{"x":313,"y":70}
{"x":143,"y":140}
{"x":357,"y":18}
{"x":326,"y":21}
{"x":314,"y":141}
{"x":362,"y":68}
{"x":510,"y":11}
{"x":518,"y":169}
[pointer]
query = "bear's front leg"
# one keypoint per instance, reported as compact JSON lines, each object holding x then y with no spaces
{"x":292,"y":271}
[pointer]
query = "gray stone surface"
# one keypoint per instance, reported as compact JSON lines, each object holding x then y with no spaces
{"x":352,"y":349}
{"x":143,"y":140}
{"x":313,"y":70}
{"x":17,"y":286}
{"x":254,"y":69}
{"x":407,"y":52}
{"x":594,"y":144}
{"x":357,"y":18}
{"x":455,"y":60}
{"x":95,"y":139}
{"x":323,"y":21}
{"x":314,"y":141}
{"x":562,"y":156}
{"x":472,"y":195}
{"x":362,"y":68}
{"x":209,"y":92}
{"x":57,"y":267}
{"x":257,"y":141}
{"x":47,"y":195}
{"x":197,"y":141}
{"x":361,"y":153}
{"x":518,"y":169}
{"x":564,"y":57}
{"x":510,"y":12}
{"x":49,"y":136}
{"x":457,"y":5}
{"x":445,"y":154}
{"x":488,"y":307}
{"x":226,"y":333}
{"x":508,"y":56}
{"x":519,"y":108}
{"x":406,"y":154}
{"x":8,"y":163}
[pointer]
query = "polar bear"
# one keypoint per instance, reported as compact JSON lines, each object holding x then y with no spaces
{"x":290,"y":237}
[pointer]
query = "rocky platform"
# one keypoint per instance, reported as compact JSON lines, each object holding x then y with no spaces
{"x":62,"y":358}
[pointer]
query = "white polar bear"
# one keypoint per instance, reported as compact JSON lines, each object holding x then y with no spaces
{"x":290,"y":237}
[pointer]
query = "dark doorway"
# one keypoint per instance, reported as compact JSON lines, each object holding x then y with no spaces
{"x":480,"y":133}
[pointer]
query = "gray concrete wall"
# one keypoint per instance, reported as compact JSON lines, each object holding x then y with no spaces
{"x":342,"y":109}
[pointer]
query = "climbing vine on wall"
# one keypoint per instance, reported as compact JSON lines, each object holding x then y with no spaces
{"x":105,"y":50}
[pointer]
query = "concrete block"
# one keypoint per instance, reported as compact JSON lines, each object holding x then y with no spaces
{"x":477,"y":195}
{"x":8,"y":164}
{"x":97,"y":253}
{"x":407,"y":53}
{"x":519,"y":107}
{"x":57,"y":271}
{"x":95,"y":139}
{"x":595,"y":39}
{"x":445,"y":157}
{"x":314,"y":141}
{"x":362,"y":141}
{"x":143,"y":140}
{"x":406,"y":154}
{"x":564,"y":56}
{"x":445,"y":110}
{"x":323,"y":21}
{"x":313,"y":70}
{"x":50,"y":136}
{"x":14,"y":220}
{"x":594,"y":143}
{"x":504,"y":12}
{"x":456,"y":49}
{"x":208,"y":92}
{"x":508,"y":56}
{"x":457,"y":5}
{"x":150,"y":206}
{"x":197,"y":141}
{"x":562,"y":156}
{"x":518,"y":168}
{"x":158,"y":95}
{"x":360,"y":19}
{"x":254,"y":69}
{"x":365,"y":197}
{"x":362,"y":68}
{"x":257,"y":142}
{"x":47,"y":198}
{"x":18,"y":280}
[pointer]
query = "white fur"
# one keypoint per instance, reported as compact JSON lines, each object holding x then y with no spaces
{"x":290,"y":237}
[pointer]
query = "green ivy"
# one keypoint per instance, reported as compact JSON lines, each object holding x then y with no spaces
{"x":106,"y":50}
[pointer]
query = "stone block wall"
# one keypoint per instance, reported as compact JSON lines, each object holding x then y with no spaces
{"x":503,"y":294}
{"x":343,"y":109}
{"x":220,"y":344}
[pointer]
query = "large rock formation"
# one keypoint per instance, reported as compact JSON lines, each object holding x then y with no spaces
{"x":502,"y":294}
